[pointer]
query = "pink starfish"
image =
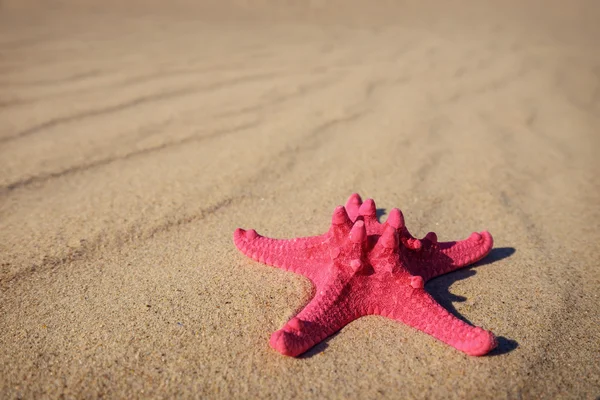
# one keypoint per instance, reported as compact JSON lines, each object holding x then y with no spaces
{"x":361,"y":267}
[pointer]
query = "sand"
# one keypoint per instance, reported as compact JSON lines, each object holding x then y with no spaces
{"x":135,"y":138}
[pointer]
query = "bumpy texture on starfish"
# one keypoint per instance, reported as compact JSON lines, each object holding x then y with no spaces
{"x":361,"y":267}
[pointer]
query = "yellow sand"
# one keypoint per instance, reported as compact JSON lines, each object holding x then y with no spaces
{"x":136,"y":136}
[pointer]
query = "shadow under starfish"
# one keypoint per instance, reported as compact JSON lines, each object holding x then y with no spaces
{"x":362,"y":267}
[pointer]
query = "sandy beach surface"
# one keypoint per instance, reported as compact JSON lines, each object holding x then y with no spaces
{"x":135,"y":137}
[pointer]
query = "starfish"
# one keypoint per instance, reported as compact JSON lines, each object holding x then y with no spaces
{"x":362,"y":267}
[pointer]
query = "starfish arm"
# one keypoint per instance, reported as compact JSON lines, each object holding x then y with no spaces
{"x":422,"y":312}
{"x":328,"y":312}
{"x":446,"y":257}
{"x":305,"y":256}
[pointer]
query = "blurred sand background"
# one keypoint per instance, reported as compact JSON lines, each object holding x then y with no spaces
{"x":136,"y":136}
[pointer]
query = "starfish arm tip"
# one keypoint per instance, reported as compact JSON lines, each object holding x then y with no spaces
{"x":484,"y":242}
{"x":288,"y":343}
{"x":238,"y":236}
{"x":479,"y":345}
{"x":462,"y":253}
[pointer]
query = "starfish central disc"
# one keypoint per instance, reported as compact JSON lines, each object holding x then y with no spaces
{"x":362,"y":267}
